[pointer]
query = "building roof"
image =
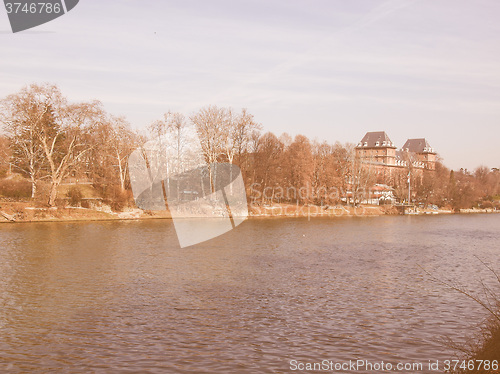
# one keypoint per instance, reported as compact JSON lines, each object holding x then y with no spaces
{"x":418,"y":146}
{"x":376,"y":139}
{"x":382,"y":187}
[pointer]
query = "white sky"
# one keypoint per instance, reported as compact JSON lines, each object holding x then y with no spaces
{"x":330,"y":69}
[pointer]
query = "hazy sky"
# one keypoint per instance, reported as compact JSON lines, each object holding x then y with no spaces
{"x":331,"y":70}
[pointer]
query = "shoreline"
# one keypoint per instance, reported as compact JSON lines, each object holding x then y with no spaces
{"x":29,"y":214}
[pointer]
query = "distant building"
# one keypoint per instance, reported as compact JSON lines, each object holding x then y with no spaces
{"x":378,"y":150}
{"x":381,"y":194}
{"x":422,"y":151}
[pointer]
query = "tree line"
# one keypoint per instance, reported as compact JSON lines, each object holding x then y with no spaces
{"x":47,"y":140}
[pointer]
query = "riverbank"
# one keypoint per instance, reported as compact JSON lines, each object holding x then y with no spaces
{"x":11,"y":212}
{"x":18,"y":212}
{"x":291,"y":210}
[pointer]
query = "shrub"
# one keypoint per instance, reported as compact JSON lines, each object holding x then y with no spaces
{"x":485,"y":345}
{"x":15,"y":189}
{"x":42,"y":194}
{"x":19,"y":211}
{"x":486,"y":204}
{"x":60,"y":203}
{"x":116,"y":198}
{"x":75,"y":196}
{"x":40,"y":214}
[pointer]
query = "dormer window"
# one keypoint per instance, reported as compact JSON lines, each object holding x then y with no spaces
{"x":377,"y":144}
{"x":366,"y":144}
{"x":384,"y":143}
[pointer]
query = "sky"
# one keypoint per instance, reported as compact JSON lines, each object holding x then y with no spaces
{"x":329,"y":69}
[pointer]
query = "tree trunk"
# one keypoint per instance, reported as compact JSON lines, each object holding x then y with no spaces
{"x":121,"y":172}
{"x":53,"y":191}
{"x":33,"y":188}
{"x":230,"y":159}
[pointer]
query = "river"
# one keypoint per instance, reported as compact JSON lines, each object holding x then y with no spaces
{"x":121,"y":296}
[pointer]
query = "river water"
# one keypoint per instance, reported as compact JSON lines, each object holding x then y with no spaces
{"x":123,"y":297}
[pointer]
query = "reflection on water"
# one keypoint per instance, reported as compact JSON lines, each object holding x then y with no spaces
{"x":111,"y":296}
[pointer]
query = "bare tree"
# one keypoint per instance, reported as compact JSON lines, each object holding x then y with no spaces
{"x":267,"y":167}
{"x":249,"y":162}
{"x":184,"y":141}
{"x":122,"y":141}
{"x":177,"y":146}
{"x":361,"y":175}
{"x":23,"y":115}
{"x":323,"y":174}
{"x":5,"y":155}
{"x":211,"y":125}
{"x":341,"y":168}
{"x":66,"y":141}
{"x":243,"y":130}
{"x":300,"y":167}
{"x":47,"y":132}
{"x":285,"y":139}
